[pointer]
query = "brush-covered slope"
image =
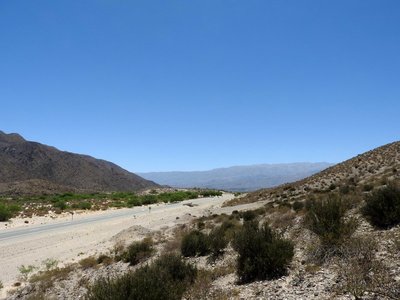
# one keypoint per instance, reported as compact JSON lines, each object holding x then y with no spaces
{"x":30,"y":168}
{"x":371,"y":168}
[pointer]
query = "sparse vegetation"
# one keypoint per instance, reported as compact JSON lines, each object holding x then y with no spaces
{"x":360,"y":272}
{"x":46,"y":279}
{"x":167,"y":278}
{"x":25,"y":271}
{"x":326,"y":218}
{"x":8,"y":211}
{"x":263,"y":253}
{"x":50,"y":263}
{"x":104,"y":259}
{"x":382,"y":207}
{"x":88,"y":262}
{"x":40,"y":204}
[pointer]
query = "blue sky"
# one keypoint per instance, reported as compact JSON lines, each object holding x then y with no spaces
{"x":193,"y":85}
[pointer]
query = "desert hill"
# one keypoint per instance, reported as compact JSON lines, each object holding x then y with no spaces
{"x":32,"y":168}
{"x":372,"y":168}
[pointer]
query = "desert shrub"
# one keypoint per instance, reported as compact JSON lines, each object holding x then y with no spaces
{"x":167,"y":278}
{"x":248,"y":215}
{"x":368,"y":187}
{"x":230,"y":227}
{"x":344,"y":189}
{"x":50,"y":263}
{"x":25,"y":271}
{"x":297,"y":206}
{"x":139,"y":251}
{"x":45,"y":279}
{"x":195,"y":243}
{"x":326,"y":218}
{"x":8,"y":211}
{"x":361,"y":272}
{"x":88,"y":262}
{"x":357,"y":267}
{"x":217,"y":241}
{"x":263,"y":253}
{"x":382,"y":207}
{"x":201,"y":225}
{"x":1,"y":285}
{"x":104,"y":259}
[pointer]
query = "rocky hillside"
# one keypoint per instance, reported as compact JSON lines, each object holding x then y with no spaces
{"x":364,"y":171}
{"x":32,"y":168}
{"x":239,"y":178}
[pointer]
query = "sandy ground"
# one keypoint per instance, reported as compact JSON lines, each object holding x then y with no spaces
{"x":71,"y":244}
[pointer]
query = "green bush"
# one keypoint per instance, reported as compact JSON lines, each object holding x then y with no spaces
{"x":85,"y":205}
{"x":195,"y":243}
{"x":149,"y":199}
{"x":8,"y":211}
{"x":139,"y":251}
{"x":263,"y":253}
{"x":382,"y":207}
{"x":167,"y":278}
{"x":134,"y":201}
{"x":326,"y":218}
{"x":217,"y":241}
{"x":61,"y":204}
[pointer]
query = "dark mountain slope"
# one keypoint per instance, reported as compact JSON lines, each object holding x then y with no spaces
{"x":23,"y":163}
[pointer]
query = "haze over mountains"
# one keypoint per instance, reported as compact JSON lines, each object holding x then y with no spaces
{"x":33,"y":168}
{"x":238,"y":178}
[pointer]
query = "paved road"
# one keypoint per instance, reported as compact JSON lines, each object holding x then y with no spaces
{"x":137,"y":211}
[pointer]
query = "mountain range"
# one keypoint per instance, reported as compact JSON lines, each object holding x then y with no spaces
{"x":238,"y":178}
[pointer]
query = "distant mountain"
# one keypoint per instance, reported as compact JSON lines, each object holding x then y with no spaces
{"x":239,"y":178}
{"x":32,"y":168}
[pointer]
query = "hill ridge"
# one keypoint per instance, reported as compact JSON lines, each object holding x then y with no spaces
{"x":379,"y":164}
{"x":27,"y":162}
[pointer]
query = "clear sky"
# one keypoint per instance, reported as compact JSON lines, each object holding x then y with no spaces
{"x":193,"y":85}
